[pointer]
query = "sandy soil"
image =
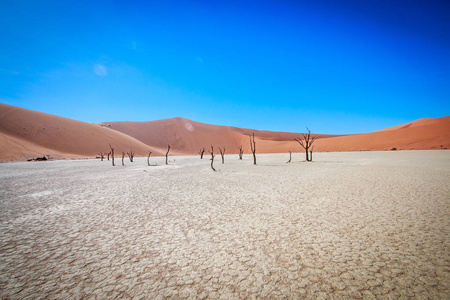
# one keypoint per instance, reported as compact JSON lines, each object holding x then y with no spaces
{"x":26,"y":134}
{"x":363,"y":224}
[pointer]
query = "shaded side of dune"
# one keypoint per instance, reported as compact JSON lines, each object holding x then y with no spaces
{"x":26,"y":134}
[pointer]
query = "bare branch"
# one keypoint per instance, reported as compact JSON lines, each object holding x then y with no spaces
{"x":201,"y":152}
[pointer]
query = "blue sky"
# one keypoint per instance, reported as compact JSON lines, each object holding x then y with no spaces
{"x":337,"y":67}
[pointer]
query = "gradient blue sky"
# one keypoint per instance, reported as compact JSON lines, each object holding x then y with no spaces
{"x":335,"y":66}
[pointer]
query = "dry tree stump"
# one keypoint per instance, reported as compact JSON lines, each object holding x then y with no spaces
{"x":212,"y":158}
{"x":131,"y":155}
{"x":112,"y":154}
{"x":167,"y":154}
{"x":222,"y":154}
{"x":148,"y":157}
{"x":201,"y":152}
{"x":253,"y":147}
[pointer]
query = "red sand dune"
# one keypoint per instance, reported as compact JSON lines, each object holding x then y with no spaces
{"x":420,"y":134}
{"x":188,"y":137}
{"x":26,"y":134}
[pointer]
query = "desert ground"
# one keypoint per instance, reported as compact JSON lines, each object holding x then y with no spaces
{"x":348,"y":225}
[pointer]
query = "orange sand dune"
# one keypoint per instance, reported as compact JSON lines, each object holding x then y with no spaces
{"x":188,"y":137}
{"x":419,"y":122}
{"x":421,"y":134}
{"x":26,"y":134}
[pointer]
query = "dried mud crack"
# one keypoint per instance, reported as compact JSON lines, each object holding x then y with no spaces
{"x":350,"y":225}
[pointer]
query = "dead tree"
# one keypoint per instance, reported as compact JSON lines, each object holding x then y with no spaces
{"x":212,"y":158}
{"x":241,"y":152}
{"x":167,"y":154}
{"x":201,"y":152}
{"x":112,"y":154}
{"x":306,"y":142}
{"x":253,"y":147}
{"x":109,"y":153}
{"x":131,"y":155}
{"x":222,"y":153}
{"x":148,"y":157}
{"x":123,"y":156}
{"x":290,"y":157}
{"x":102,"y":156}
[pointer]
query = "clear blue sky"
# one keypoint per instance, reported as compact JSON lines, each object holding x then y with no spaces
{"x":335,"y":66}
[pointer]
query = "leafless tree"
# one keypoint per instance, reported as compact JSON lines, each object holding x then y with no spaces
{"x":167,"y":154}
{"x":148,"y":157}
{"x":109,"y":153}
{"x":131,"y":155}
{"x":112,"y":154}
{"x":253,"y":147}
{"x":306,"y":142}
{"x":201,"y":152}
{"x":222,"y":153}
{"x":102,"y":156}
{"x":212,"y":158}
{"x":241,"y":152}
{"x":290,"y":157}
{"x":123,"y":156}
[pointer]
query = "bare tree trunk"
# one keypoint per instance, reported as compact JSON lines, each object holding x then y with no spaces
{"x":253,"y":147}
{"x":241,"y":151}
{"x":306,"y":142}
{"x":201,"y":152}
{"x":102,"y":156}
{"x":222,"y":153}
{"x":109,"y":153}
{"x":148,"y":158}
{"x":212,"y":158}
{"x":290,"y":156}
{"x":123,"y":156}
{"x":131,"y":155}
{"x":310,"y":155}
{"x":167,"y":154}
{"x":112,"y":154}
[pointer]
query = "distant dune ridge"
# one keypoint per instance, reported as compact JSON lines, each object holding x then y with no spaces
{"x":27,"y":134}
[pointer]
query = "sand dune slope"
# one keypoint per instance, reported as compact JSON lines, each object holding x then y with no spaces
{"x":422,"y":134}
{"x":188,"y":137}
{"x":25,"y":134}
{"x":420,"y":122}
